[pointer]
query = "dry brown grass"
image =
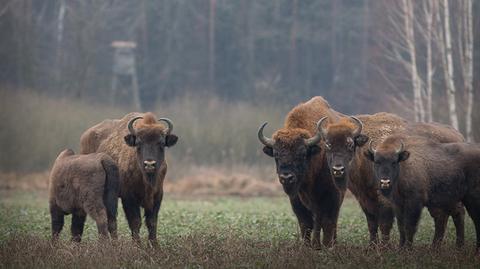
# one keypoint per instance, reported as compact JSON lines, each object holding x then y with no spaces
{"x":199,"y":180}
{"x":218,"y":250}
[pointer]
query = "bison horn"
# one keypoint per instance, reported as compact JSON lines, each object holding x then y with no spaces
{"x":402,"y":147}
{"x":169,"y":124}
{"x":359,"y":126}
{"x":322,"y":129}
{"x":371,"y":149}
{"x":318,"y":134}
{"x":130,"y":125}
{"x":265,"y":140}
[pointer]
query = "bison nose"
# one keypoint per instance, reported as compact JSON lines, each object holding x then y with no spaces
{"x":384,"y":183}
{"x":338,"y":170}
{"x":149,"y":164}
{"x":286,"y":178}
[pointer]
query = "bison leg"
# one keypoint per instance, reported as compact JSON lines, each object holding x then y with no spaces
{"x":58,"y":219}
{"x":132,"y":213}
{"x":387,"y":217}
{"x":372,"y":221}
{"x":151,"y":217}
{"x":111,"y":201}
{"x":329,"y":231}
{"x":330,"y":208}
{"x":99,"y":215}
{"x":458,"y":217}
{"x":317,"y":227}
{"x":78,"y":222}
{"x":401,"y":226}
{"x":440,"y":218}
{"x":411,"y":218}
{"x":473,"y":208}
{"x":110,"y":197}
{"x":304,"y":217}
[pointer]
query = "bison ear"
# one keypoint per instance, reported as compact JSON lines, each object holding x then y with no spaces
{"x":369,"y":155}
{"x":171,"y":140}
{"x":130,"y":140}
{"x":361,"y":139}
{"x":403,"y":156}
{"x":268,"y":150}
{"x":312,"y":150}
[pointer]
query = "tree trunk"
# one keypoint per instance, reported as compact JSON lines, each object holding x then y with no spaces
{"x":365,"y":42}
{"x":449,"y":68}
{"x":410,"y":40}
{"x":293,"y":43}
{"x":211,"y":45}
{"x":428,"y":40}
{"x":59,"y":52}
{"x":468,"y":65}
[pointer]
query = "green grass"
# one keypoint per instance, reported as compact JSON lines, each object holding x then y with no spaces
{"x":215,"y":232}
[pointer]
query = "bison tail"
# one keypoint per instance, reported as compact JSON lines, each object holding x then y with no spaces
{"x":111,"y":190}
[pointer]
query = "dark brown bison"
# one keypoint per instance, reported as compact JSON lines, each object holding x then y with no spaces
{"x":343,"y":141}
{"x":414,"y":172}
{"x":303,"y":173}
{"x":84,"y":185}
{"x":137,"y":144}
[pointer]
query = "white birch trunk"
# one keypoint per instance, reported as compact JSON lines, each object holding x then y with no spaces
{"x":410,"y":40}
{"x":428,"y":40}
{"x":449,"y":68}
{"x":468,"y":65}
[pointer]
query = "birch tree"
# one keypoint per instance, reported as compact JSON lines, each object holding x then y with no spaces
{"x":465,"y":44}
{"x":401,"y":48}
{"x":446,"y":52}
{"x":428,"y":11}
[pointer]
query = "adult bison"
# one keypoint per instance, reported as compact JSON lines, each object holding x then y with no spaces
{"x":343,"y":140}
{"x":414,"y":172}
{"x":137,"y":144}
{"x":303,"y":173}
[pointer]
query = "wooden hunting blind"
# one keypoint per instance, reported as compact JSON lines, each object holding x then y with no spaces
{"x":124,"y":66}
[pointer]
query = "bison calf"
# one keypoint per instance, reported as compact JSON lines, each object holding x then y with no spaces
{"x":414,"y":172}
{"x":81,"y":185}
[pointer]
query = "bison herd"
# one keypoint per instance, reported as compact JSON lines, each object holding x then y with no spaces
{"x":392,"y":166}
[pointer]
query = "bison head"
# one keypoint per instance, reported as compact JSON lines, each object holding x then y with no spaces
{"x":386,"y":164}
{"x":341,"y":140}
{"x":149,"y":139}
{"x":292,"y":150}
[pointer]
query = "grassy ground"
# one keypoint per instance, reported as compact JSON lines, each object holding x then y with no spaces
{"x":214,"y":232}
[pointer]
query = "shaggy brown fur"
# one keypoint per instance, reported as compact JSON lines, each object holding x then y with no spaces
{"x":344,"y":150}
{"x":138,"y":187}
{"x":91,"y":139}
{"x":426,"y":173}
{"x":313,"y":195}
{"x":84,"y":185}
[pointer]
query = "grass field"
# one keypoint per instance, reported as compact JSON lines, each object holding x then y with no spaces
{"x":230,"y":232}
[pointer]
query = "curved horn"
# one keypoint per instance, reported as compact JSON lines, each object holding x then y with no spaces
{"x":359,"y":125}
{"x":130,"y":124}
{"x":169,"y":124}
{"x":370,"y":148}
{"x":265,"y":140}
{"x":323,"y":130}
{"x":318,"y":134}
{"x":402,"y":147}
